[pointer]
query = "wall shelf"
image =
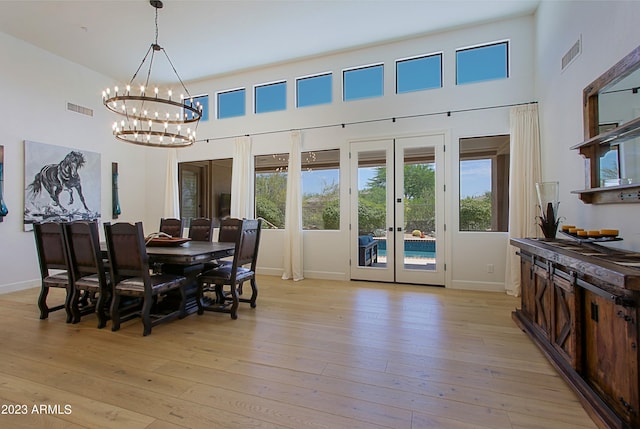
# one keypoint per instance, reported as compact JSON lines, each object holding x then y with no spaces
{"x":615,"y":136}
{"x":610,"y":194}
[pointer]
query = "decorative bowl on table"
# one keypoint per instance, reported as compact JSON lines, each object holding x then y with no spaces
{"x":159,"y":239}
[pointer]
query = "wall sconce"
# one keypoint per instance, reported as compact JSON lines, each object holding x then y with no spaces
{"x":115,"y":202}
{"x":3,"y":207}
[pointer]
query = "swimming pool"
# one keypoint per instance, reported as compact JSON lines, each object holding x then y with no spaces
{"x":412,"y":248}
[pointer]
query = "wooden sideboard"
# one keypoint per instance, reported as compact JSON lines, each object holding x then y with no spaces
{"x":580,"y":306}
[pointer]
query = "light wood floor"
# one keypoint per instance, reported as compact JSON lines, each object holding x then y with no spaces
{"x":313,"y":354}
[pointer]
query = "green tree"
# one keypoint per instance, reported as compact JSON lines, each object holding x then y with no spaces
{"x":315,"y":206}
{"x":271,"y":197}
{"x":475,"y":213}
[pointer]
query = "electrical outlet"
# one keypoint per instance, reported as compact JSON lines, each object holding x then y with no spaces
{"x":489,"y":268}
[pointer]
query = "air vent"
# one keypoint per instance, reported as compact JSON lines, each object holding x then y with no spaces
{"x":79,"y":109}
{"x":572,"y":53}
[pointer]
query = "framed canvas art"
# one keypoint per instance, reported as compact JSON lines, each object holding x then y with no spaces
{"x":61,"y":184}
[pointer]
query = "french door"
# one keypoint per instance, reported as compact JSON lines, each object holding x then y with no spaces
{"x":397,"y":210}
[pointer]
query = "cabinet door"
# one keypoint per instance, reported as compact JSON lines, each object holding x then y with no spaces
{"x":611,"y":354}
{"x":542,"y":299}
{"x":527,"y":287}
{"x":564,"y":335}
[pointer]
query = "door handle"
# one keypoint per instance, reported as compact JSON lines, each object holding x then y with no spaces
{"x":399,"y":229}
{"x":390,"y":229}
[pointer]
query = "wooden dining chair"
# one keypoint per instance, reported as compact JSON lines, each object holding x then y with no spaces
{"x":91,"y":281}
{"x":171,"y":226}
{"x":201,"y":229}
{"x":233,"y":275}
{"x":230,"y":229}
{"x":52,"y":255}
{"x":130,"y":277}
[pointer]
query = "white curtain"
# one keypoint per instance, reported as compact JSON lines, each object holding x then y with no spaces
{"x":171,"y":196}
{"x":241,"y":179}
{"x":292,"y":253}
{"x":524,"y":172}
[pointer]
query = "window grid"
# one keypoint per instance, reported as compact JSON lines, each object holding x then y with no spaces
{"x":231,"y":103}
{"x":314,"y":90}
{"x":270,"y":97}
{"x":204,"y":101}
{"x":482,"y":63}
{"x":363,"y":82}
{"x":419,"y":73}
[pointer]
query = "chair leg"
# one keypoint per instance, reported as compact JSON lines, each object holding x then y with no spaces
{"x":219,"y":294}
{"x":42,"y":302}
{"x":74,"y":305}
{"x":115,"y":312}
{"x":200,"y":297}
{"x":254,"y":293}
{"x":67,"y":304}
{"x":146,"y":316}
{"x":234,"y":302}
{"x":100,"y":309}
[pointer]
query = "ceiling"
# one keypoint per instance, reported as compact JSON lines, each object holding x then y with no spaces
{"x":209,"y":38}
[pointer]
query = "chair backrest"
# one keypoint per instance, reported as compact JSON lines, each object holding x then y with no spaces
{"x":127,"y":251}
{"x":172,"y":226}
{"x":230,"y":229}
{"x":201,"y":229}
{"x":246,"y":250}
{"x":83,"y":244}
{"x":51,"y":247}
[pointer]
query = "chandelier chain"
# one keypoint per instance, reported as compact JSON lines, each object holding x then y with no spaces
{"x":156,"y":26}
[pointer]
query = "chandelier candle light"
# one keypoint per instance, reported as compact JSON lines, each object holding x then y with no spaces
{"x":151,"y":116}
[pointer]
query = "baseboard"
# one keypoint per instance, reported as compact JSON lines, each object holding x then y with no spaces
{"x":321,"y":275}
{"x":13,"y":287}
{"x":477,"y":286}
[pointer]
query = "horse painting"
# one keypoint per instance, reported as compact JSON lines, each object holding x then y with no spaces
{"x":55,"y":178}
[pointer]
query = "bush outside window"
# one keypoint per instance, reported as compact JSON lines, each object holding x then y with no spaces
{"x":484,"y":184}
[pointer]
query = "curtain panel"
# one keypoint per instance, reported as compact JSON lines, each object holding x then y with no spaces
{"x":242,"y":179}
{"x":525,"y":172}
{"x":171,"y":194}
{"x":293,"y":245}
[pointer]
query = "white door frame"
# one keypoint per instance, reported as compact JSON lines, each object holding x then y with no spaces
{"x":395,"y":212}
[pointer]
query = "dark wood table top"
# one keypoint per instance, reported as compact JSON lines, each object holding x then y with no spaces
{"x":192,"y":252}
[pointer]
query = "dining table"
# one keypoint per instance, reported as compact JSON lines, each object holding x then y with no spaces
{"x":190,"y":252}
{"x":185,"y":259}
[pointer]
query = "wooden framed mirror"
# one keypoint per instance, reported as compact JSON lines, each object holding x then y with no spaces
{"x":612,"y":134}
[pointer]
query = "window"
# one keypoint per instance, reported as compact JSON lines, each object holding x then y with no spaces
{"x":482,"y":63}
{"x":416,"y":74}
{"x":270,"y":97}
{"x":363,"y":82}
{"x":484,"y":183}
{"x":200,"y":100}
{"x":271,"y":188}
{"x":231,"y":103}
{"x":205,"y":187}
{"x":321,"y":189}
{"x":314,"y":90}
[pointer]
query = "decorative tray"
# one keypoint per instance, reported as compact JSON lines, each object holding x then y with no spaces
{"x":166,"y":241}
{"x":603,"y":239}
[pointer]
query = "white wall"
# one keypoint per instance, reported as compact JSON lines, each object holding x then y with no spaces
{"x":327,"y":252}
{"x":36,"y":86}
{"x":609,"y":32}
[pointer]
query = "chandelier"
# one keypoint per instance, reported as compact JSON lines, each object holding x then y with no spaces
{"x":152,"y":116}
